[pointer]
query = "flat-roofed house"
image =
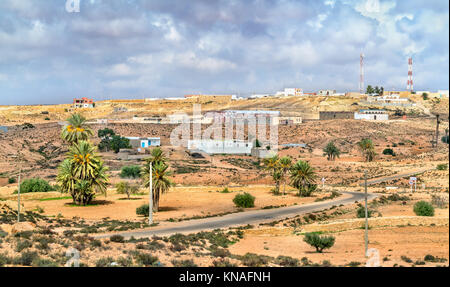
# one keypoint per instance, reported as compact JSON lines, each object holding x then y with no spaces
{"x":143,"y":142}
{"x":83,"y":103}
{"x":211,"y":146}
{"x":372,"y":115}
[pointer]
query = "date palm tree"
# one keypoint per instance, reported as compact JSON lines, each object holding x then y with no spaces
{"x":303,"y":178}
{"x":331,"y":151}
{"x":76,"y":130}
{"x":160,"y":175}
{"x":83,"y":173}
{"x":285,"y":166}
{"x":160,"y":181}
{"x":367,"y":149}
{"x":66,"y":178}
{"x":272,"y":164}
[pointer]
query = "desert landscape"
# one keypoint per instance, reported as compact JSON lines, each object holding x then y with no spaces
{"x":204,"y":188}
{"x":248,"y":135}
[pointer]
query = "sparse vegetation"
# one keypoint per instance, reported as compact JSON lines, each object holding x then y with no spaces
{"x":320,"y":242}
{"x":35,"y":185}
{"x":303,"y":178}
{"x":125,"y":187}
{"x":132,"y":171}
{"x":367,"y":149}
{"x":442,"y":166}
{"x":423,"y":208}
{"x":331,"y":151}
{"x":244,"y":200}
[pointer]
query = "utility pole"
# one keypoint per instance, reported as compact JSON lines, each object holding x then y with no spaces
{"x":366,"y":234}
{"x":150,"y":205}
{"x":437,"y":130}
{"x":18,"y":197}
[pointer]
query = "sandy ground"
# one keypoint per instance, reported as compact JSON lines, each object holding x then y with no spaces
{"x":178,"y":203}
{"x":392,"y":243}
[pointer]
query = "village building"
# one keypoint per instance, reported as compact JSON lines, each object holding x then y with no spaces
{"x":284,"y":121}
{"x":83,"y":103}
{"x":372,"y":115}
{"x":210,"y":146}
{"x":327,"y":92}
{"x":335,"y":115}
{"x":393,"y":98}
{"x":143,"y":142}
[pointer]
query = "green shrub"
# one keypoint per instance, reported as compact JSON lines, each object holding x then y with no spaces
{"x":117,"y":238}
{"x":35,"y":185}
{"x":104,"y":262}
{"x":254,"y":260}
{"x":244,"y":200}
{"x":3,"y":260}
{"x":225,"y":190}
{"x":389,"y":151}
{"x":442,"y":166}
{"x":445,"y":139}
{"x":361,"y":212}
{"x":23,"y":244}
{"x":287,"y":261}
{"x":222,"y":263}
{"x":184,"y":263}
{"x":423,"y":208}
{"x":131,"y":171}
{"x":146,"y":259}
{"x":12,"y":180}
{"x":318,"y":241}
{"x":26,"y":258}
{"x":124,"y":187}
{"x":143,"y":210}
{"x":40,"y":262}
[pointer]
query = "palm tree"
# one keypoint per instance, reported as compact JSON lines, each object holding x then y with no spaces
{"x":331,"y":151}
{"x":303,"y":178}
{"x":83,"y":173}
{"x":367,"y":149}
{"x":76,"y":130}
{"x":160,"y":180}
{"x":277,"y":176}
{"x":285,"y":165}
{"x":85,"y":193}
{"x":66,"y":178}
{"x":84,"y":158}
{"x":272,"y":164}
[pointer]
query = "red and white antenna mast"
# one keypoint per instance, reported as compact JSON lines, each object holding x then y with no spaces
{"x":410,"y":85}
{"x":361,"y":74}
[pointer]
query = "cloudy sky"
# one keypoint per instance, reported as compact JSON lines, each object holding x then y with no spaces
{"x":164,"y":48}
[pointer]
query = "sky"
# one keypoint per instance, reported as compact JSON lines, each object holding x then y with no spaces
{"x":118,"y":49}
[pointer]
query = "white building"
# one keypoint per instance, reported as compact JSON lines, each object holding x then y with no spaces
{"x":141,"y":142}
{"x":443,"y":93}
{"x":372,"y":115}
{"x":260,"y":96}
{"x":221,"y":146}
{"x":388,"y":99}
{"x":290,"y":92}
{"x":327,"y":92}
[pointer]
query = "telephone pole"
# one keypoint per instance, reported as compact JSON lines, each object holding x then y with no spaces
{"x":437,"y":130}
{"x":150,"y":204}
{"x":18,"y":197}
{"x":366,"y":233}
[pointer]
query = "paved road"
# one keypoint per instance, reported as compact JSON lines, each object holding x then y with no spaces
{"x":398,"y":176}
{"x":241,"y":218}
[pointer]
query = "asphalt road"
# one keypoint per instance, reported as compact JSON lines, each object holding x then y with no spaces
{"x":240,"y":219}
{"x":398,"y":176}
